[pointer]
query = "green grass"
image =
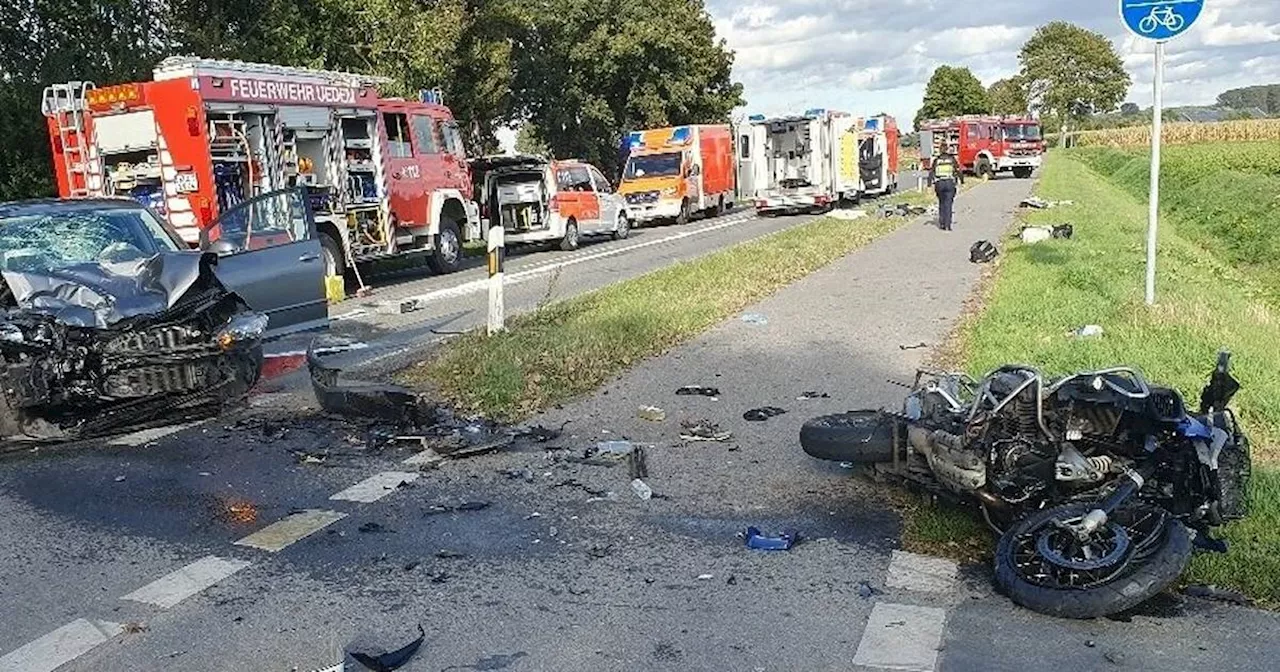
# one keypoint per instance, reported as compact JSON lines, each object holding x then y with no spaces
{"x":568,"y":349}
{"x":1207,"y":298}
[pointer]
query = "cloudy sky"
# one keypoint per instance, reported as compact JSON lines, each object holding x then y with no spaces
{"x":865,"y":56}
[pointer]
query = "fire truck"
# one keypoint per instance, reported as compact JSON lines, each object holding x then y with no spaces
{"x":985,"y":145}
{"x":384,"y":176}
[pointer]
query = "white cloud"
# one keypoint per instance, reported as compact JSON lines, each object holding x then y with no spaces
{"x":865,"y":56}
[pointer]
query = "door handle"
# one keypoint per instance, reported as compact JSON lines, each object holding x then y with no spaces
{"x":308,"y":257}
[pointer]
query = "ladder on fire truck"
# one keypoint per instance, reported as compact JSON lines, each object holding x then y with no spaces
{"x":65,"y":104}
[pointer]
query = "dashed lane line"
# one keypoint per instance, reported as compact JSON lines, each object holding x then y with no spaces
{"x":177,"y":586}
{"x":375,"y":487}
{"x":901,"y":637}
{"x":923,"y":573}
{"x":60,"y":646}
{"x":280,"y":534}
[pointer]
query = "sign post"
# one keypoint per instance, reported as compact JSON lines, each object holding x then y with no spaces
{"x":1161,"y":21}
{"x":497,"y":255}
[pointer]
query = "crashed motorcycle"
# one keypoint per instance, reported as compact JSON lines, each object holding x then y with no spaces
{"x":1099,"y":483}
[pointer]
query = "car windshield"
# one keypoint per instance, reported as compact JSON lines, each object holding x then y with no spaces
{"x":51,"y":240}
{"x":654,"y":165}
{"x":1022,"y":132}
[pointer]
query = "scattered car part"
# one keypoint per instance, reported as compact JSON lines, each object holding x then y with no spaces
{"x":807,"y":396}
{"x":637,"y":466}
{"x":651,"y":413}
{"x":378,"y":401}
{"x":917,"y":346}
{"x":763,"y":413}
{"x":757,"y":540}
{"x":642,"y":489}
{"x":698,"y":390}
{"x":1088,"y":331}
{"x":703,"y":431}
{"x":394,"y":660}
{"x":755,"y":318}
{"x":983,"y":252}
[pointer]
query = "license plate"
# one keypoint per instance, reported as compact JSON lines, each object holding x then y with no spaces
{"x":186,"y":182}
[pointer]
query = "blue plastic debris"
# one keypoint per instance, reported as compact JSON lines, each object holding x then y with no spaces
{"x":757,"y":540}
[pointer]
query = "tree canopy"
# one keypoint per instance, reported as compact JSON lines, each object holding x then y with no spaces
{"x":1008,"y":97}
{"x":582,"y":71}
{"x":1069,"y":72}
{"x":951,"y":92}
{"x":1265,"y":98}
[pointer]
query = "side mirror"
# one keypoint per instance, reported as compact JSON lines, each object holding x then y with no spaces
{"x":222,"y":248}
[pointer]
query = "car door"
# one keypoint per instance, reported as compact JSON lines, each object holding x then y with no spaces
{"x":456,"y":173}
{"x":270,"y":255}
{"x":406,"y":187}
{"x":610,"y":202}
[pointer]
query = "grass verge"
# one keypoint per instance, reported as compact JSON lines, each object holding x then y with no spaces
{"x":570,"y":348}
{"x":1205,"y":302}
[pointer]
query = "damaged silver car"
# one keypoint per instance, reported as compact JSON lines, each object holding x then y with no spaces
{"x":109,"y":322}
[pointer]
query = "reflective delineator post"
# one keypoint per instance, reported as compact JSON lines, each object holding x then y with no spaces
{"x":497,"y":254}
{"x":1153,"y":213}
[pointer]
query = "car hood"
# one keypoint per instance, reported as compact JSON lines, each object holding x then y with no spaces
{"x":98,"y":295}
{"x":642,"y":184}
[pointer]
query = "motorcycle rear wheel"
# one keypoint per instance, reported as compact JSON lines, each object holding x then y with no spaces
{"x":1156,"y":557}
{"x":860,"y":437}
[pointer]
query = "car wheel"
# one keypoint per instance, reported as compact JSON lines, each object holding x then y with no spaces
{"x":447,"y":255}
{"x":623,"y":229}
{"x":335,"y":262}
{"x":570,"y":241}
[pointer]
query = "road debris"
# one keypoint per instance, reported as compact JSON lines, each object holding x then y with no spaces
{"x":763,"y":413}
{"x":637,"y":467}
{"x":642,"y":489}
{"x":540,"y":434}
{"x":120,"y":479}
{"x":523,"y":474}
{"x":598,"y":551}
{"x":698,"y":390}
{"x":807,"y":396}
{"x":1037,"y":203}
{"x":651,"y":413}
{"x":902,"y":210}
{"x":1211,"y":592}
{"x":1034,"y":234}
{"x":387,"y":662}
{"x":982,"y":252}
{"x":706,"y":577}
{"x":703,"y":430}
{"x":371,"y":527}
{"x":866,"y":591}
{"x":917,"y":346}
{"x":757,"y":540}
{"x":755,"y":318}
{"x":446,"y":554}
{"x":847,"y":215}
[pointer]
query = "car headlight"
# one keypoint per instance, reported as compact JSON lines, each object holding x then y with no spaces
{"x":669,"y":191}
{"x":242,"y":328}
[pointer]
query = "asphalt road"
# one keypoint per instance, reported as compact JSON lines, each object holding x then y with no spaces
{"x":274,"y":538}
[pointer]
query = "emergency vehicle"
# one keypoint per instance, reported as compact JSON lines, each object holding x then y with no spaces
{"x":537,"y":200}
{"x":985,"y":145}
{"x":671,"y":173}
{"x":796,"y":163}
{"x":870,"y":148}
{"x":384,"y":176}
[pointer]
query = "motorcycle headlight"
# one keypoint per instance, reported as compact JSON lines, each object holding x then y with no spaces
{"x":243,"y":328}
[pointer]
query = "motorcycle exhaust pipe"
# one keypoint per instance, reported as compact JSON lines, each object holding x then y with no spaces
{"x":1098,"y":517}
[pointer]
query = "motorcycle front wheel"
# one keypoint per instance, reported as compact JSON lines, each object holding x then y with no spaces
{"x":1042,"y":566}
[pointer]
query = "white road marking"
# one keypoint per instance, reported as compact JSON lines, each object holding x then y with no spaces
{"x":328,"y":350}
{"x":280,"y":534}
{"x":169,"y":590}
{"x":376,"y":487}
{"x":423,"y":458}
{"x":921,"y":572}
{"x":474,"y":286}
{"x":60,"y":646}
{"x":146,"y":436}
{"x":901,"y":637}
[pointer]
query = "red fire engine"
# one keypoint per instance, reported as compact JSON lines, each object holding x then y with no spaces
{"x":385,"y":176}
{"x":985,"y":145}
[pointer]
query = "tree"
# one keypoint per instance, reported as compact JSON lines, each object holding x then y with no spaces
{"x":589,"y":70}
{"x":1265,"y":98}
{"x":1070,"y":72}
{"x":952,"y":92}
{"x":1130,"y":109}
{"x":528,"y":141}
{"x":1008,"y":97}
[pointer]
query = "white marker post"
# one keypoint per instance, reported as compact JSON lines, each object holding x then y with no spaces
{"x":1153,"y":211}
{"x":497,"y":255}
{"x":1159,"y":21}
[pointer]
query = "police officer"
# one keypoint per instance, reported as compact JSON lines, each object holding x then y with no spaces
{"x":944,"y":176}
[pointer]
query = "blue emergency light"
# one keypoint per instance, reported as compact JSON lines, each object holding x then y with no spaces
{"x":815,"y":112}
{"x":432,"y":96}
{"x":872,"y":124}
{"x":756,"y":117}
{"x":681,"y":135}
{"x":635,"y":139}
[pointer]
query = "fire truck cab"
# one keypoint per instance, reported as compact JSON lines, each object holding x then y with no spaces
{"x":985,"y":145}
{"x":384,"y":176}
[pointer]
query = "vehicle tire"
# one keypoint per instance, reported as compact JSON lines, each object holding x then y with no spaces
{"x":335,"y":262}
{"x":861,"y":437}
{"x":985,"y":168}
{"x":447,"y":255}
{"x":623,"y":229}
{"x":685,"y":214}
{"x":570,"y":241}
{"x":720,"y":209}
{"x":1022,"y":173}
{"x":1153,"y":562}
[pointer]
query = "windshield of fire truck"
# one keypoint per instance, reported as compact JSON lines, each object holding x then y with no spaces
{"x":654,"y":165}
{"x":48,"y":239}
{"x":1022,"y":132}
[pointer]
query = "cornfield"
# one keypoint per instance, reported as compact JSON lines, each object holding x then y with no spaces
{"x":1182,"y":133}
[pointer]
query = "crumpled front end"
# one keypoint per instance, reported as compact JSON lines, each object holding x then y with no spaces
{"x":64,"y":379}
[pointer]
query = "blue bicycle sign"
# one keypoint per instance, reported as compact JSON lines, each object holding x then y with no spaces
{"x":1160,"y":20}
